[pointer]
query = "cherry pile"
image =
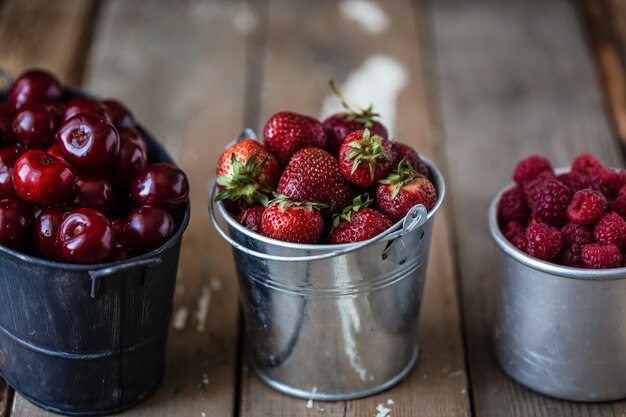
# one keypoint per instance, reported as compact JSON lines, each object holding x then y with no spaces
{"x":75,"y":183}
{"x":575,"y":219}
{"x":337,"y":181}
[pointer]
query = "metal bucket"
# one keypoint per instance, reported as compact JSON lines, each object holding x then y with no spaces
{"x":87,"y":340}
{"x":559,"y":331}
{"x":333,"y":322}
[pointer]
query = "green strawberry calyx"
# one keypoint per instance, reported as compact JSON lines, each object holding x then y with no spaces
{"x":369,"y":149}
{"x":283,"y":202}
{"x":359,"y":202}
{"x":356,"y":113}
{"x":402,"y":176}
{"x":244,"y":183}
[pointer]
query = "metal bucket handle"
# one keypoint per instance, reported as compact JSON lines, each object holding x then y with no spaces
{"x":98,"y":274}
{"x":415,"y":218}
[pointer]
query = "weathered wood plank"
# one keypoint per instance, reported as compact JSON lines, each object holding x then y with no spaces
{"x":383,"y":64}
{"x":515,"y":79}
{"x":50,"y":34}
{"x":181,"y":67}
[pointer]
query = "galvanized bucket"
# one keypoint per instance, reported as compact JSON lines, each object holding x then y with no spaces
{"x":559,"y":331}
{"x":332,"y":322}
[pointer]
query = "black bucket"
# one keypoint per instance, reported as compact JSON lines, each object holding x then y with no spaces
{"x":87,"y":340}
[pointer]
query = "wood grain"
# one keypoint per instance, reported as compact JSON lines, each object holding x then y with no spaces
{"x":515,"y":79}
{"x":322,"y":45}
{"x":181,"y":67}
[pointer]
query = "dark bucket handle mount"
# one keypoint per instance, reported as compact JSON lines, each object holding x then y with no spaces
{"x":98,"y":274}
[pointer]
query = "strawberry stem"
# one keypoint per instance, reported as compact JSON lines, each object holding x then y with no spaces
{"x":357,"y":113}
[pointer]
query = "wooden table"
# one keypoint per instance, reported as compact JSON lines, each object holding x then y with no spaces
{"x":476,"y":85}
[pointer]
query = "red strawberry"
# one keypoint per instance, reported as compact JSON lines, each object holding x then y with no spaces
{"x":247,"y":172}
{"x":364,"y":159}
{"x":357,"y":222}
{"x":406,"y":152}
{"x":403,"y":190}
{"x":251,"y":218}
{"x":286,"y":133}
{"x":314,"y":175}
{"x":292,"y":222}
{"x":340,"y":125}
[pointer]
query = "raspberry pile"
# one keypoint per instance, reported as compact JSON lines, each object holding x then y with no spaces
{"x":575,"y":219}
{"x":76,"y":185}
{"x":337,"y":181}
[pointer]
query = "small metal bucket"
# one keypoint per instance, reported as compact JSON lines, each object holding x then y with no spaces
{"x":333,"y":322}
{"x":559,"y":331}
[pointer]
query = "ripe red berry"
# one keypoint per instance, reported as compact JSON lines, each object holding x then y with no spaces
{"x":520,"y":241}
{"x":8,"y":157}
{"x":549,"y":201}
{"x":292,"y":222}
{"x":599,"y":256}
{"x":251,"y":218}
{"x":619,"y":205}
{"x":43,"y":180}
{"x":576,"y":181}
{"x":576,"y":234}
{"x":86,"y":237}
{"x":586,"y":207}
{"x":133,"y":159}
{"x":585,"y":163}
{"x":86,"y":105}
{"x":286,"y":133}
{"x":364,"y":158}
{"x":528,"y":168}
{"x":357,"y":222}
{"x":15,"y":219}
{"x":530,"y":186}
{"x":34,"y":86}
{"x":406,"y":152}
{"x":147,"y":228}
{"x":609,"y":181}
{"x":45,"y":231}
{"x":610,"y":230}
{"x":122,"y":117}
{"x":35,"y":125}
{"x":160,"y":185}
{"x":95,"y":193}
{"x":512,"y":205}
{"x":544,"y":242}
{"x":511,"y":229}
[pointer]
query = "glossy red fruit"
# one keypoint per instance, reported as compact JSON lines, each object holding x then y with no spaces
{"x":122,"y":250}
{"x":89,"y":143}
{"x":357,"y":222}
{"x":95,"y":193}
{"x":314,"y":175}
{"x":6,"y":130}
{"x":54,"y":151}
{"x":247,"y":172}
{"x":148,"y":228}
{"x":160,"y":185}
{"x":86,"y":105}
{"x":85,"y":236}
{"x":544,"y":242}
{"x":134,"y":136}
{"x":403,"y":190}
{"x":42,"y":180}
{"x":406,"y":152}
{"x":251,"y":218}
{"x":364,"y":159}
{"x":530,"y":167}
{"x":45,"y":230}
{"x":34,"y":86}
{"x":8,"y":157}
{"x":36,"y":124}
{"x":133,"y":158}
{"x":15,"y":219}
{"x":286,"y":133}
{"x":122,"y":117}
{"x":292,"y":222}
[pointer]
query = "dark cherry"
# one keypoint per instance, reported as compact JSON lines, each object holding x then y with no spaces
{"x":36,"y":124}
{"x":42,"y":180}
{"x":45,"y":231}
{"x":15,"y":219}
{"x":132,"y":160}
{"x":34,"y":86}
{"x":161,"y":185}
{"x":6,"y":130}
{"x":95,"y":193}
{"x":86,"y":105}
{"x":89,"y":143}
{"x":136,"y":137}
{"x":148,"y":228}
{"x":122,"y":117}
{"x":54,"y":151}
{"x":8,"y":156}
{"x":86,"y":237}
{"x":5,"y":110}
{"x":123,"y":251}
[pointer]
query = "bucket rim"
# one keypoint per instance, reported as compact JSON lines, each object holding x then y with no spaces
{"x":537,"y":264}
{"x":438,"y":182}
{"x":35,"y":260}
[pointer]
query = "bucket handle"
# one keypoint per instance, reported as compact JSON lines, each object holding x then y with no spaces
{"x":415,"y":218}
{"x":98,"y":274}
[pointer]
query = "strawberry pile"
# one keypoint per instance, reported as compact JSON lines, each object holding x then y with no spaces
{"x":76,"y":185}
{"x":575,"y":219}
{"x":337,"y":181}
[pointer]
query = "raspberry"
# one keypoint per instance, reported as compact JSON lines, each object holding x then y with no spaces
{"x":610,"y":230}
{"x":512,"y":205}
{"x":528,"y":168}
{"x":571,"y":256}
{"x":549,"y":202}
{"x":576,"y":180}
{"x":530,"y":186}
{"x":586,"y":207}
{"x":584,"y":163}
{"x":622,"y":191}
{"x":619,"y":205}
{"x":610,"y":181}
{"x":576,"y":234}
{"x":520,"y":241}
{"x":512,"y":229}
{"x":544,"y":242}
{"x":598,"y":256}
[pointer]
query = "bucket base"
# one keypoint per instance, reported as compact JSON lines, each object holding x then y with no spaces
{"x":321,"y":396}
